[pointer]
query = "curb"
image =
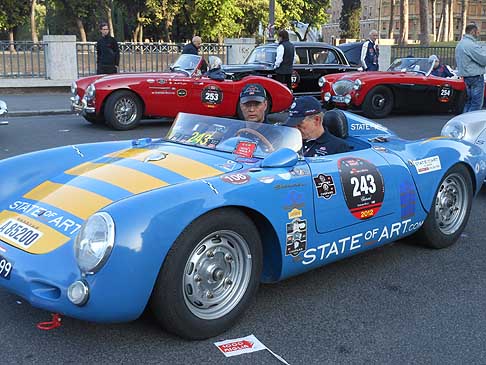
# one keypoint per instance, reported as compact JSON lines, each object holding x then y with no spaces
{"x":30,"y":113}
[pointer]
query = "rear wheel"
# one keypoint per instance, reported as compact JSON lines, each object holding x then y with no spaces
{"x":123,"y":110}
{"x":450,"y":210}
{"x":209,"y":275}
{"x":378,"y":103}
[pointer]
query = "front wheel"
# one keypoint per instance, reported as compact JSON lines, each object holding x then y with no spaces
{"x":209,"y":275}
{"x":123,"y":110}
{"x":378,"y":103}
{"x":450,"y":210}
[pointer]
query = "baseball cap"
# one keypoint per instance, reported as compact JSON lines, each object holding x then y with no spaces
{"x":253,"y":92}
{"x":301,"y":108}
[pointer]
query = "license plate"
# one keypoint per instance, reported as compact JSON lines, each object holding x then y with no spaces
{"x":6,"y":268}
{"x":19,"y":233}
{"x":337,"y":98}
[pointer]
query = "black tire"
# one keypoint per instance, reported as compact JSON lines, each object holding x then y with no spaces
{"x":209,"y":276}
{"x":123,"y":110}
{"x":94,"y":119}
{"x":450,"y":210}
{"x":239,"y":112}
{"x":378,"y":103}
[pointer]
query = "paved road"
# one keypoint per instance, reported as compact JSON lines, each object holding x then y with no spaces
{"x":394,"y":305}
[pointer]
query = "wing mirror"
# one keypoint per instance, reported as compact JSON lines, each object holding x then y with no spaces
{"x":284,"y":157}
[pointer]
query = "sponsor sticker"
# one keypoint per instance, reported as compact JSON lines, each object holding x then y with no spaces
{"x":240,"y":346}
{"x":295,"y":213}
{"x":182,"y":92}
{"x":293,"y":200}
{"x":324,"y":186}
{"x":408,"y":199}
{"x":427,"y":165}
{"x":266,"y":179}
{"x":245,"y":149}
{"x":445,"y":93}
{"x":211,"y":95}
{"x":295,"y":79}
{"x":236,"y":179}
{"x":363,"y":186}
{"x":296,"y":237}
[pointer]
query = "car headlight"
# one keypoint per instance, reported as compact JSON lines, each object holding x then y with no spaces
{"x":454,"y":130}
{"x":357,"y":84}
{"x":74,"y":88}
{"x":321,"y":81}
{"x":94,"y":242}
{"x":90,"y":91}
{"x":347,"y":98}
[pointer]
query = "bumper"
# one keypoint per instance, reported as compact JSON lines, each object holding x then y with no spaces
{"x":80,"y":106}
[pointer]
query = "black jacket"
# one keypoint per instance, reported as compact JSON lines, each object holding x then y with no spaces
{"x":190,"y":48}
{"x":326,"y":144}
{"x":285,"y":68}
{"x":107,"y":52}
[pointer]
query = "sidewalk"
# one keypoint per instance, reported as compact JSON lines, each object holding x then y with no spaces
{"x":37,"y":103}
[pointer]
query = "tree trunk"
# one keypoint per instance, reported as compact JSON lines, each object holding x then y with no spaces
{"x":82,"y":32}
{"x":391,"y":24}
{"x":33,"y":27}
{"x":424,"y":23}
{"x":11,"y":38}
{"x":450,"y":36}
{"x":434,"y":20}
{"x":403,"y":22}
{"x":109,"y":17}
{"x":464,"y":6}
{"x":445,"y":21}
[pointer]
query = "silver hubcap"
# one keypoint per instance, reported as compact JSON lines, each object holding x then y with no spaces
{"x":217,"y":274}
{"x":379,"y":101}
{"x":125,"y":111}
{"x":451,"y":203}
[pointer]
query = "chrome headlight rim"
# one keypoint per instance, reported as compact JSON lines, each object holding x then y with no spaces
{"x":454,"y":130}
{"x":108,"y":244}
{"x":90,"y":92}
{"x":357,"y":84}
{"x":322,"y":81}
{"x":74,"y":88}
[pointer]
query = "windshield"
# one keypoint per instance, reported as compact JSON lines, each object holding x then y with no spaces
{"x":264,"y":55}
{"x":246,"y":139}
{"x":420,"y":65}
{"x":186,"y":62}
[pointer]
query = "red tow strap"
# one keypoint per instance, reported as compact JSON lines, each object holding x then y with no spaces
{"x":54,"y":323}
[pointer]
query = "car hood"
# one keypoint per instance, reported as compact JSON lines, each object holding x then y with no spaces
{"x":249,"y":67}
{"x":372,"y":76}
{"x":55,"y":206}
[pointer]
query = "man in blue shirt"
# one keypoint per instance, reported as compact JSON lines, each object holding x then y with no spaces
{"x":439,"y":70}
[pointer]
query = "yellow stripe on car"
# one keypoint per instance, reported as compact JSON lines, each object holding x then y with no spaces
{"x":126,"y":178}
{"x":77,"y":201}
{"x":50,"y":240}
{"x":181,"y":165}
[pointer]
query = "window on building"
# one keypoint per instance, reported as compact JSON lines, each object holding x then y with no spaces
{"x":483,"y":25}
{"x":397,"y":25}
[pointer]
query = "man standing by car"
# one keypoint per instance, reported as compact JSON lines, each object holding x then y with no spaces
{"x":285,"y":59}
{"x":306,"y":115}
{"x":471,"y":60}
{"x":370,"y":53}
{"x":107,"y":52}
{"x":193,"y":47}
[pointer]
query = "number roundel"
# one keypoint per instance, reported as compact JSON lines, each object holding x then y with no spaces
{"x":211,"y":95}
{"x":362,"y":186}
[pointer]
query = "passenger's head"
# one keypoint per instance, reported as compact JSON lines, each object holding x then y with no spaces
{"x":373,"y":35}
{"x":305,"y":114}
{"x":472,"y":29}
{"x":253,"y":103}
{"x":283,"y":35}
{"x":434,"y":59}
{"x":196,"y":40}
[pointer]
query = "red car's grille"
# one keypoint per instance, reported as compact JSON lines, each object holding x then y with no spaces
{"x":342,"y":87}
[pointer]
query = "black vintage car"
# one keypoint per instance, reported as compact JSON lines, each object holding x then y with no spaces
{"x":312,"y":60}
{"x":352,"y":52}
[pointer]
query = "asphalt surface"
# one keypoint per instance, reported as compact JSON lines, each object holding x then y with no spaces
{"x":399,"y":304}
{"x":37,"y":103}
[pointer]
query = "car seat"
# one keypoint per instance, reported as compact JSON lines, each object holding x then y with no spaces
{"x":336,"y":123}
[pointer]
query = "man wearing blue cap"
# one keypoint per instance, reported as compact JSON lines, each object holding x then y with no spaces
{"x":253,"y":103}
{"x":306,"y":115}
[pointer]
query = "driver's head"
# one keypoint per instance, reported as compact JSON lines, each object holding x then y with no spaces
{"x":434,"y":59}
{"x":253,"y":103}
{"x":306,"y":115}
{"x":196,"y":40}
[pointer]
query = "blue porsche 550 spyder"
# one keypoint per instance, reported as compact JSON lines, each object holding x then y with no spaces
{"x":189,"y":225}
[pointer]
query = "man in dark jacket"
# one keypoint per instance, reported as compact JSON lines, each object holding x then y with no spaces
{"x":285,"y":59}
{"x":370,"y":53}
{"x":193,"y":47}
{"x":107,"y":52}
{"x":306,"y":115}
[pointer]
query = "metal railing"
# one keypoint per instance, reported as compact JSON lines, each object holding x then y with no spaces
{"x":446,"y":54}
{"x":22,"y":59}
{"x":142,"y":57}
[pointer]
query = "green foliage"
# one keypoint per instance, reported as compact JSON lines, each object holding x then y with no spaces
{"x":349,"y":21}
{"x":13,"y":13}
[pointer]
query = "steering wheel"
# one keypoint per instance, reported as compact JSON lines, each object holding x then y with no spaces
{"x":260,"y":136}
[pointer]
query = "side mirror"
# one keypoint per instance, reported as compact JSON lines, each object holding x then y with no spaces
{"x":284,"y":157}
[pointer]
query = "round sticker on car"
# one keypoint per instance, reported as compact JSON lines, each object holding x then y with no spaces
{"x":295,"y":79}
{"x":362,"y":186}
{"x":445,"y":93}
{"x":212,"y":95}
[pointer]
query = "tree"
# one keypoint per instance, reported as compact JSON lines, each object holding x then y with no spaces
{"x":12,"y":14}
{"x":310,"y":12}
{"x":403,"y":39}
{"x":424,"y":22}
{"x":349,"y":20}
{"x":434,"y":20}
{"x":392,"y":15}
{"x":464,"y":6}
{"x":33,"y":28}
{"x":450,"y":5}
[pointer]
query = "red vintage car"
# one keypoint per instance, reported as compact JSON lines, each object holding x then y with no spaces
{"x":407,"y":85}
{"x":122,"y":100}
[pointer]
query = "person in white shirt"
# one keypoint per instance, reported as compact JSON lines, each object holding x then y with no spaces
{"x":370,"y":53}
{"x":285,"y":59}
